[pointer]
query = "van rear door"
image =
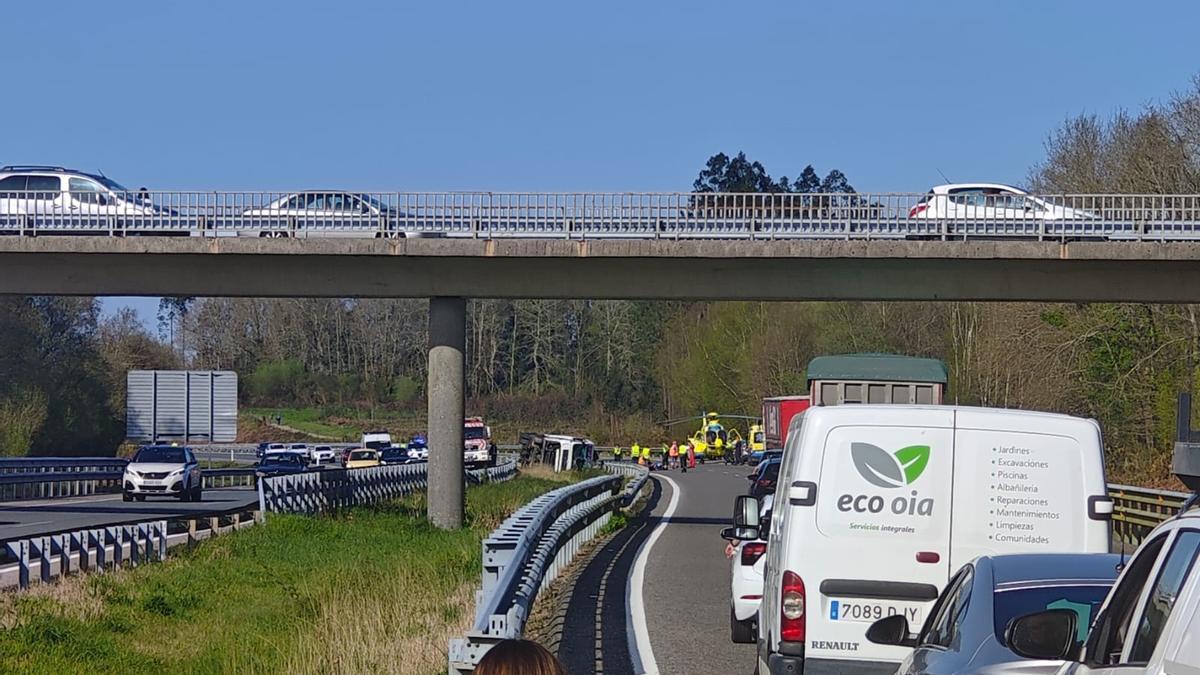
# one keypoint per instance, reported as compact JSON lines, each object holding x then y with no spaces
{"x":1022,"y":483}
{"x":883,"y":513}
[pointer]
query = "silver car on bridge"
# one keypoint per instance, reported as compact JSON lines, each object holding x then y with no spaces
{"x":965,"y":630}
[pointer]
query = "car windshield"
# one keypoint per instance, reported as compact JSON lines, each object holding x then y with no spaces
{"x":362,"y":454}
{"x":378,"y":445}
{"x":298,"y":446}
{"x":770,"y":472}
{"x":395,"y":453}
{"x":473,"y":433}
{"x":284,"y":458}
{"x":160,"y":456}
{"x":1084,"y":599}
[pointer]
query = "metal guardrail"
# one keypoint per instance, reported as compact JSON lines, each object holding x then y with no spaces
{"x":1137,"y":510}
{"x":331,"y":489}
{"x":528,"y":551}
{"x":50,"y":477}
{"x":46,"y":556}
{"x":596,"y":215}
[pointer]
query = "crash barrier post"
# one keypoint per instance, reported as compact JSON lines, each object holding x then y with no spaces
{"x":529,"y":550}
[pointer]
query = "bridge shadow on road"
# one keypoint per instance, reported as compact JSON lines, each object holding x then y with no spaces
{"x":595,"y":631}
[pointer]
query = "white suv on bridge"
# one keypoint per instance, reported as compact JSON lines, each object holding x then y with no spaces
{"x":66,"y":200}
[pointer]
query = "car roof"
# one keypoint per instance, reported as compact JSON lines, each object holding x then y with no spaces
{"x":1024,"y":567}
{"x":946,"y":187}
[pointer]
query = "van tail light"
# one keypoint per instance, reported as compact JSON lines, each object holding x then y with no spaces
{"x":791,"y":608}
{"x":917,"y":209}
{"x":752,"y":551}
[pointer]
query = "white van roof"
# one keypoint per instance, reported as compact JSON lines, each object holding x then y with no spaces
{"x":966,"y":412}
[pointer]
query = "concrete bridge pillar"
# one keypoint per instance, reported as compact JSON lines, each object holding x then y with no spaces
{"x":447,"y":342}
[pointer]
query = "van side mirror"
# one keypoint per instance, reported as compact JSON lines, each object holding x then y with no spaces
{"x":746,"y":518}
{"x":1044,"y":635}
{"x":891,"y":630}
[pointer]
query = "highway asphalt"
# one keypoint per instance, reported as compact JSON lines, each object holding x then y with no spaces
{"x":682,"y":611}
{"x":685,"y":588}
{"x":26,"y":518}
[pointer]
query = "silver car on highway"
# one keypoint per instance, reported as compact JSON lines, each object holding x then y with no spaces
{"x":964,"y":632}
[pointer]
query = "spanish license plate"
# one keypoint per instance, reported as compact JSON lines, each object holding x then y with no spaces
{"x":869,"y":611}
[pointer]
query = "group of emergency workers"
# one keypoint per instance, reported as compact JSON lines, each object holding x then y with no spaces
{"x":671,"y":457}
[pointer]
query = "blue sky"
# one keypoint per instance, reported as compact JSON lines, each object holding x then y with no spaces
{"x":569,"y":96}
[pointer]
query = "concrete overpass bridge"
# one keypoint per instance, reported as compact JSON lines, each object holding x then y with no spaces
{"x":1093,"y":248}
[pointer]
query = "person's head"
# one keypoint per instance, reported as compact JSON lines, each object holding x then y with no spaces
{"x":519,"y":657}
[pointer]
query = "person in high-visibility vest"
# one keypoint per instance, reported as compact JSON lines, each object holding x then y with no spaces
{"x":636,"y":453}
{"x":646,"y":455}
{"x":616,"y":453}
{"x":673,"y":455}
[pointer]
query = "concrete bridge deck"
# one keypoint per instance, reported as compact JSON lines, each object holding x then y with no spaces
{"x":795,"y":269}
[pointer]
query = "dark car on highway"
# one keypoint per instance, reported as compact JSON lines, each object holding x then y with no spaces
{"x":281,"y":464}
{"x":394,"y":455}
{"x":764,"y":478}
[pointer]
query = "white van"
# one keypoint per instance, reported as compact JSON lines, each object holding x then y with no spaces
{"x":877,"y":506}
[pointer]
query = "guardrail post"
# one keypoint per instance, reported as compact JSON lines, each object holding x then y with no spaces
{"x":96,"y":540}
{"x":79,"y":540}
{"x":20,"y":550}
{"x":61,"y":544}
{"x":43,"y":553}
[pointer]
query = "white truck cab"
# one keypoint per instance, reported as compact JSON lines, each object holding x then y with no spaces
{"x":878,"y":505}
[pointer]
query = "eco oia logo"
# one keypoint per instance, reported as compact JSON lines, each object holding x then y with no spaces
{"x":889,"y":470}
{"x":896,"y":470}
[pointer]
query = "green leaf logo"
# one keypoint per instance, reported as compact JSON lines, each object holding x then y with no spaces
{"x":913,"y":461}
{"x":879,"y":468}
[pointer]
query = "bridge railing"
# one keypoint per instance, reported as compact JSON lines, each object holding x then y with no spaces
{"x":597,"y":215}
{"x":528,"y":551}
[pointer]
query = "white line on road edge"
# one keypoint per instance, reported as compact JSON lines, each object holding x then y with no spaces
{"x":637,"y":609}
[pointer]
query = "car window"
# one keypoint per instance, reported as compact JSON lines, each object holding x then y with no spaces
{"x":1107,"y":640}
{"x":13,"y":184}
{"x":967,"y":196}
{"x":191,"y":459}
{"x":49,"y":185}
{"x":86,"y":191}
{"x":1030,"y":597}
{"x":1171,"y":575}
{"x":160,"y":455}
{"x":945,"y":615}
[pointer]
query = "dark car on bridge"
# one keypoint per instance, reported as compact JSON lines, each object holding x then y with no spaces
{"x":764,"y":478}
{"x":394,"y":455}
{"x":281,"y":464}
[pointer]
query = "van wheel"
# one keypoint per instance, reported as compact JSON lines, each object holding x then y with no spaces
{"x":741,"y":632}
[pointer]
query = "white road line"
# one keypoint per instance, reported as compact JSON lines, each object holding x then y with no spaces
{"x":637,"y":609}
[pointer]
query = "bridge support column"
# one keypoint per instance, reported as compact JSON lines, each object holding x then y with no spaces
{"x":447,"y":342}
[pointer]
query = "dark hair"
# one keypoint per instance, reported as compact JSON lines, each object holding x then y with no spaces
{"x":519,"y":657}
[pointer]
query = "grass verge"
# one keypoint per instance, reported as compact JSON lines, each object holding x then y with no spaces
{"x":370,"y":590}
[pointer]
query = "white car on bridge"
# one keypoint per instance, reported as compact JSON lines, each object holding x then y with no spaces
{"x":55,"y":198}
{"x":989,"y":201}
{"x":326,"y":213}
